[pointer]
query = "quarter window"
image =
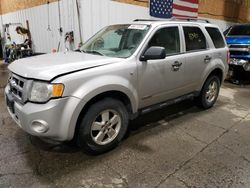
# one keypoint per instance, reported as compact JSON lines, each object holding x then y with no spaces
{"x":168,"y":38}
{"x":216,"y":37}
{"x":194,"y":38}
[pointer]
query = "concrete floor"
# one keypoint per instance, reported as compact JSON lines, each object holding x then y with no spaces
{"x":181,"y":146}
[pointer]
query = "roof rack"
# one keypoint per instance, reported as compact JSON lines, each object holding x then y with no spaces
{"x":174,"y":18}
{"x":190,"y":19}
{"x":146,"y":20}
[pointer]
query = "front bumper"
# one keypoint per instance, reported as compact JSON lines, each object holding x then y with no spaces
{"x":56,"y":114}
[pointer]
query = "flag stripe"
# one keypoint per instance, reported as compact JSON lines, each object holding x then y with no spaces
{"x":192,"y":1}
{"x":185,"y":3}
{"x":184,"y":13}
{"x":179,"y":7}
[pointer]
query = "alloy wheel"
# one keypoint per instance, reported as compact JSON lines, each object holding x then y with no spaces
{"x":212,"y":92}
{"x":106,"y":127}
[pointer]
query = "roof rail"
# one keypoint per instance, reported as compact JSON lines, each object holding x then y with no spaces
{"x":190,"y":19}
{"x":174,"y":18}
{"x":146,"y":20}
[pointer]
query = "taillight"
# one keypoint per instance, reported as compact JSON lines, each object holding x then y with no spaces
{"x":228,"y":57}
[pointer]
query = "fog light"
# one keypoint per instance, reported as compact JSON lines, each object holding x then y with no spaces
{"x":246,"y":66}
{"x":39,"y":126}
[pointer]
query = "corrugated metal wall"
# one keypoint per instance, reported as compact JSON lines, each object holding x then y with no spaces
{"x":43,"y":39}
{"x":95,"y":14}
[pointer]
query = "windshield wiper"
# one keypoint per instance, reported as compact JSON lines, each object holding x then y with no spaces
{"x":92,"y":52}
{"x":83,"y":51}
{"x":78,"y":50}
{"x":95,"y":52}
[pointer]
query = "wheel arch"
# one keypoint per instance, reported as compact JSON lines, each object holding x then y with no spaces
{"x":217,"y":72}
{"x":115,"y":94}
{"x":84,"y":106}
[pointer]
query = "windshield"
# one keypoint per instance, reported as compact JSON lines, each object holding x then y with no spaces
{"x":242,"y":30}
{"x":116,"y":41}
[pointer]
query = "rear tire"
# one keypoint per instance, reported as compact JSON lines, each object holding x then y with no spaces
{"x":103,"y":126}
{"x":209,"y":92}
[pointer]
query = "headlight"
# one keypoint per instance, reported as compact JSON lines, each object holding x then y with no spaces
{"x":246,"y":66}
{"x":42,"y":91}
{"x":10,"y":75}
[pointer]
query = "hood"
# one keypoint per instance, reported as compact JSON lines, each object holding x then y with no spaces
{"x":48,"y":66}
{"x":238,"y":39}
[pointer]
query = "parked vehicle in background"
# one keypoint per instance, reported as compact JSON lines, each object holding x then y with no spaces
{"x":238,"y":40}
{"x":121,"y":72}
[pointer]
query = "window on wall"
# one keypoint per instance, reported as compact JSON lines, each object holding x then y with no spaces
{"x":216,"y":37}
{"x":194,"y":38}
{"x":168,"y":38}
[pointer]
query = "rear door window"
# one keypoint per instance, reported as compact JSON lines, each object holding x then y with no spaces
{"x":194,"y":38}
{"x":216,"y":37}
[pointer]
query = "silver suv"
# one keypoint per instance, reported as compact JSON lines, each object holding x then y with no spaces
{"x":121,"y":72}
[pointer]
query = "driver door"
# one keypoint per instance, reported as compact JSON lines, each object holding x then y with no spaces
{"x":162,"y":79}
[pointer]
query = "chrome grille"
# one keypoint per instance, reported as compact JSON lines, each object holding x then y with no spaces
{"x":18,"y":88}
{"x":238,"y":53}
{"x":238,"y":46}
{"x":239,"y":49}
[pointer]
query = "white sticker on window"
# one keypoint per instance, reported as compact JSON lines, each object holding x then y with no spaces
{"x":139,"y":27}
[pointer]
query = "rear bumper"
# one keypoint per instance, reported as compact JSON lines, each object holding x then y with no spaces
{"x":56,"y":117}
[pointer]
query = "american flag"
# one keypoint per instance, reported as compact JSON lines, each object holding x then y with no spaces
{"x":174,"y":8}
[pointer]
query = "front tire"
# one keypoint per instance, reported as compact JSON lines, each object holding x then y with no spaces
{"x":103,"y":126}
{"x":209,"y":92}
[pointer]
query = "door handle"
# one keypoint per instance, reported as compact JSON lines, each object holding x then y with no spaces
{"x":207,"y":59}
{"x":176,"y":65}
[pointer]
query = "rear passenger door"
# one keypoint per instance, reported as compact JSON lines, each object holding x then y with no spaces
{"x":197,"y":55}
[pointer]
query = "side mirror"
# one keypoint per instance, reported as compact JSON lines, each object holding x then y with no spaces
{"x":154,"y":52}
